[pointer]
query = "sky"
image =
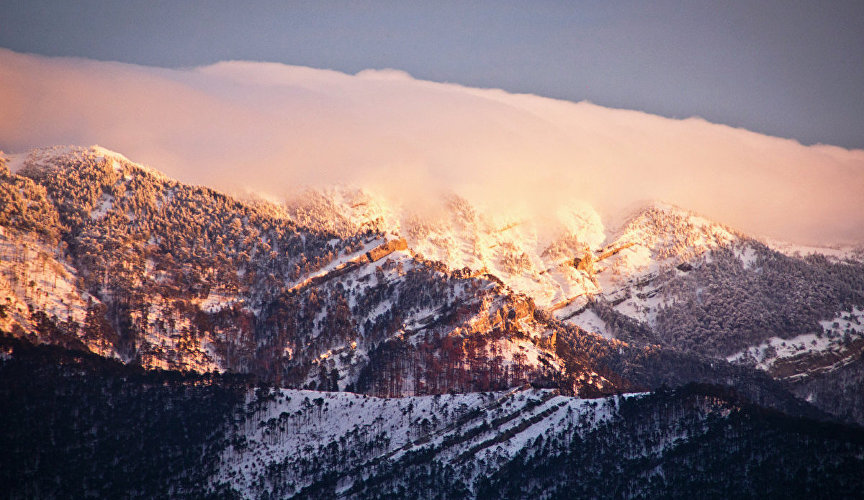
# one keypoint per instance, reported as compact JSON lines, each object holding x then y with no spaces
{"x":749,"y":114}
{"x":787,"y":68}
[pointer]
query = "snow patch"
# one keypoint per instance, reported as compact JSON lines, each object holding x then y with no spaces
{"x":589,"y":321}
{"x":836,"y":252}
{"x":106,"y":202}
{"x":348,"y":432}
{"x":836,"y":333}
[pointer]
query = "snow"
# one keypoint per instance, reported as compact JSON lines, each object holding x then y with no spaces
{"x":216,"y":301}
{"x":46,"y":159}
{"x":42,"y":159}
{"x":746,"y":254}
{"x":105,"y":204}
{"x":99,"y":151}
{"x":562,"y":259}
{"x":283,"y":426}
{"x":30,"y":274}
{"x":460,"y":235}
{"x":642,"y":305}
{"x":163,"y":344}
{"x":338,"y":263}
{"x":836,"y":332}
{"x":659,"y":238}
{"x":15,"y":162}
{"x":846,"y":321}
{"x":631,"y":268}
{"x":589,"y":321}
{"x":798,"y":250}
{"x":769,"y":352}
{"x":544,"y":256}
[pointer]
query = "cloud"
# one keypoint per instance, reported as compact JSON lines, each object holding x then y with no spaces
{"x":276,"y":128}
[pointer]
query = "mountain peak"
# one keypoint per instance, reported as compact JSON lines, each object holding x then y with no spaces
{"x":49,"y":160}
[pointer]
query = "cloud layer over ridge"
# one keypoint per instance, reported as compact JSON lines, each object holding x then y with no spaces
{"x":273,"y":128}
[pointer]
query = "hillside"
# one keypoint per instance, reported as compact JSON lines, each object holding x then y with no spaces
{"x":153,"y":272}
{"x":187,"y":342}
{"x":76,"y":424}
{"x":337,"y":290}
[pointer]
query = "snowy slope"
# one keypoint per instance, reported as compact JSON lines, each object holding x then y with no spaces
{"x":840,"y":342}
{"x":341,"y":290}
{"x":299,"y":433}
{"x":560,"y":260}
{"x":567,"y":261}
{"x":180,"y":277}
{"x":531,"y":255}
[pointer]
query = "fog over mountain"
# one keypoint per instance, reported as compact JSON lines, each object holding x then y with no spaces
{"x":273,"y":129}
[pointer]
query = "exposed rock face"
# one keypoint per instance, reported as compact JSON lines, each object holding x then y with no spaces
{"x":386,"y":249}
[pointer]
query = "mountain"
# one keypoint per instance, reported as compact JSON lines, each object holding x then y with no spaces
{"x":77,"y":424}
{"x":662,"y":276}
{"x":710,"y":337}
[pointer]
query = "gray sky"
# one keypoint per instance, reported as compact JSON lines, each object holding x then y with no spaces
{"x":786,"y":68}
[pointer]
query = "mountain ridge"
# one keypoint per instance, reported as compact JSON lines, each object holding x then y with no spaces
{"x":157,"y":433}
{"x":165,"y":340}
{"x":167,"y":275}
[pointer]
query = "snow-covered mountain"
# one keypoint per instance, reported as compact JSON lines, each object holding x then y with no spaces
{"x":142,"y":268}
{"x":660,"y":276}
{"x":94,"y":427}
{"x":343,"y":290}
{"x":402,"y":349}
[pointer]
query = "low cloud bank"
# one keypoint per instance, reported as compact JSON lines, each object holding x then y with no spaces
{"x":275,"y":129}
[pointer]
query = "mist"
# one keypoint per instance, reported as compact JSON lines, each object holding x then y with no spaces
{"x":276,"y":129}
